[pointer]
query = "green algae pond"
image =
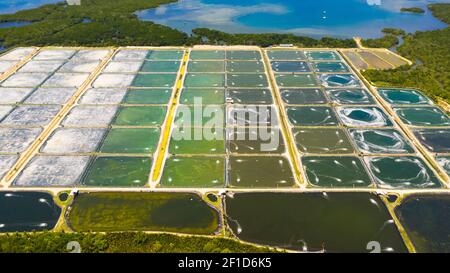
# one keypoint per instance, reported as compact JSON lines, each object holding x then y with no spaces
{"x":260,"y":172}
{"x":414,"y":174}
{"x":333,"y":171}
{"x":159,"y":55}
{"x":160,"y":66}
{"x":140,"y":116}
{"x":249,"y":96}
{"x":137,"y":211}
{"x":296,"y":80}
{"x":208,"y":66}
{"x":204,"y":80}
{"x":403,"y":96}
{"x":194,"y":172}
{"x":312,"y":116}
{"x":422,"y":116}
{"x":27,"y":211}
{"x":207,"y":55}
{"x":350,"y":96}
{"x":286,"y":55}
{"x":148,"y":96}
{"x":330,"y":67}
{"x":195,"y":142}
{"x":245,"y":67}
{"x":334,"y":222}
{"x":323,"y":55}
{"x":381,"y":141}
{"x":117,"y":171}
{"x":131,"y":141}
{"x":202,"y":96}
{"x":303,"y":96}
{"x":322,"y":141}
{"x":426,"y":219}
{"x":154,"y":80}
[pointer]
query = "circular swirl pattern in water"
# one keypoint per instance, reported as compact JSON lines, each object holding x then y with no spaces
{"x":339,"y":80}
{"x":363,"y":116}
{"x":404,"y":172}
{"x":388,"y":141}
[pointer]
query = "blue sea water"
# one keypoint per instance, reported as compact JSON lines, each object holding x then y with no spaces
{"x":317,"y":18}
{"x":13,"y":24}
{"x":10,"y":6}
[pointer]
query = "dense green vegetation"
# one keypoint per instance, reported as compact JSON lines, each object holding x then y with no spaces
{"x":110,"y":23}
{"x":413,"y":10}
{"x":387,"y":41}
{"x":113,"y":23}
{"x":53,"y":242}
{"x":393,"y":31}
{"x":431,"y":51}
{"x":221,"y":38}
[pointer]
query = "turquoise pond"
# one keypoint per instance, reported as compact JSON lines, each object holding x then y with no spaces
{"x":345,"y":18}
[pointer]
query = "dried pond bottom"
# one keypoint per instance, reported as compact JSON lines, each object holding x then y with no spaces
{"x":335,"y":222}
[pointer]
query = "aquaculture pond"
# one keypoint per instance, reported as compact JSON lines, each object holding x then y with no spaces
{"x":172,"y":212}
{"x":426,"y":219}
{"x":330,"y":172}
{"x":363,"y":116}
{"x":260,"y":172}
{"x":322,"y":141}
{"x":415,"y":173}
{"x":423,"y":116}
{"x":27,"y":211}
{"x":444,"y":162}
{"x":380,"y":141}
{"x":350,"y":96}
{"x":312,"y":116}
{"x":334,"y":222}
{"x":303,"y":96}
{"x":114,"y":171}
{"x":403,"y":96}
{"x":194,"y":172}
{"x":435,"y":140}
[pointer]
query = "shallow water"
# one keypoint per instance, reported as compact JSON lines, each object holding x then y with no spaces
{"x":423,"y":116}
{"x":27,"y":211}
{"x":312,"y":116}
{"x":10,"y":6}
{"x":175,"y":212}
{"x":322,"y":141}
{"x":312,"y":221}
{"x":350,"y":96}
{"x":346,"y":18}
{"x":426,"y":219}
{"x":435,"y":140}
{"x":118,"y":172}
{"x":385,"y":141}
{"x":260,"y":172}
{"x":191,"y":172}
{"x":363,"y":116}
{"x":415,"y":173}
{"x":403,"y":96}
{"x":335,"y":171}
{"x":444,"y":162}
{"x":303,"y":96}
